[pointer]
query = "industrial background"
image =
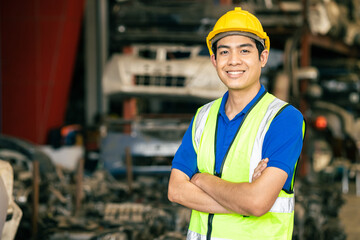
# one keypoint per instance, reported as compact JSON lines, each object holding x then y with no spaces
{"x":96,"y":96}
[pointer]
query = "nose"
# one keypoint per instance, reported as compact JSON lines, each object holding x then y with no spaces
{"x":235,"y":59}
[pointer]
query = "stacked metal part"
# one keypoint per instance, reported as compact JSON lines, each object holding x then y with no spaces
{"x":316,"y":210}
{"x":339,"y":19}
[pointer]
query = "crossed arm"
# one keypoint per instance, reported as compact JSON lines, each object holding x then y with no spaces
{"x":208,"y":193}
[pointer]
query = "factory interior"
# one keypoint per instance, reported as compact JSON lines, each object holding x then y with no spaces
{"x":96,"y":96}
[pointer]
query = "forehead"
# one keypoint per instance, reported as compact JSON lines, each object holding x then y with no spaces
{"x":236,"y":40}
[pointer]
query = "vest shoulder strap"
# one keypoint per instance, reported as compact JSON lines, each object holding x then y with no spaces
{"x":200,"y":121}
{"x":273,"y":109}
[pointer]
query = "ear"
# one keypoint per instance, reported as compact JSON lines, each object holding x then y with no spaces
{"x":264,"y":57}
{"x":213,"y":60}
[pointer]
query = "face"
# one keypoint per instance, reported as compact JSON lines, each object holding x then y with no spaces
{"x":237,"y":63}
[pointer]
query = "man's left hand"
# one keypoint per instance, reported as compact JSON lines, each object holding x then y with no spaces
{"x":259,"y":169}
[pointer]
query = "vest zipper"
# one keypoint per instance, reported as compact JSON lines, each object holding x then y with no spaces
{"x":210,"y":219}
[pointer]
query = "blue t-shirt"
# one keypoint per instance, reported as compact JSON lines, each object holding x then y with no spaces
{"x":282,"y":144}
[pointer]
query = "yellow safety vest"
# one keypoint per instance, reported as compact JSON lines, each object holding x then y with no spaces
{"x":243,"y":156}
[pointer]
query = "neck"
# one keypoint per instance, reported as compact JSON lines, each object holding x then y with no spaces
{"x":238,"y":100}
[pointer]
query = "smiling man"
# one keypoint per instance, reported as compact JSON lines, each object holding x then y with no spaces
{"x":217,"y":171}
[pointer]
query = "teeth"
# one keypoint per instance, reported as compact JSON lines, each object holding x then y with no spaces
{"x":235,"y":72}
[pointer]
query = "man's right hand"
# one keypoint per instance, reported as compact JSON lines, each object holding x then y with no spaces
{"x":259,"y":169}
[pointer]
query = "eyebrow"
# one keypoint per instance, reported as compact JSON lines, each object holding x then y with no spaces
{"x":239,"y":46}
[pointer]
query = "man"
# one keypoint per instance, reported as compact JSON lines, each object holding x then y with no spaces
{"x":217,"y":171}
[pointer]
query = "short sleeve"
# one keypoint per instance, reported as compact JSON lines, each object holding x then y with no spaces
{"x":185,"y":158}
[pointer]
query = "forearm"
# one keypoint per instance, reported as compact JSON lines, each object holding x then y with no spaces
{"x":184,"y":192}
{"x":230,"y":195}
{"x":244,"y":198}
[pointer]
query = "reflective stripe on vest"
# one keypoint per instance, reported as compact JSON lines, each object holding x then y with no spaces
{"x":271,"y":112}
{"x":283,"y":205}
{"x":248,"y":145}
{"x":197,"y":236}
{"x":199,"y":123}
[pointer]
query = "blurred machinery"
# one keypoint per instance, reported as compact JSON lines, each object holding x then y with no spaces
{"x":61,"y":204}
{"x":317,"y":208}
{"x":339,"y":19}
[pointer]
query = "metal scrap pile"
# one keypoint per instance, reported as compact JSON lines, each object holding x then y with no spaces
{"x":316,"y":211}
{"x":109,"y":208}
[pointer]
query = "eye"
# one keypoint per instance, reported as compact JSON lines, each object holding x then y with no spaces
{"x":244,"y":51}
{"x":223,"y":52}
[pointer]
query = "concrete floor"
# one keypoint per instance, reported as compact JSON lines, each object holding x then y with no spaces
{"x":350,"y":214}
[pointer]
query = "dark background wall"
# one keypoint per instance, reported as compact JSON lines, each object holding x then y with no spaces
{"x":39,"y":41}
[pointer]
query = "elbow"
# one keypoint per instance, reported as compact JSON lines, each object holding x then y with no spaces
{"x":172,"y":195}
{"x":257,"y":208}
{"x":177,"y":183}
{"x":258,"y":212}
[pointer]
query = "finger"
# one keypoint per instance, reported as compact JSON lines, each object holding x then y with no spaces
{"x":256,"y":176}
{"x":259,"y":165}
{"x":260,"y":168}
{"x":262,"y":165}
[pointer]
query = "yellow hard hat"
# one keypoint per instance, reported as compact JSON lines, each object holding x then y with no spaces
{"x":241,"y":22}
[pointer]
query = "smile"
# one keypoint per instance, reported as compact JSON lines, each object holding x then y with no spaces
{"x":235,"y":72}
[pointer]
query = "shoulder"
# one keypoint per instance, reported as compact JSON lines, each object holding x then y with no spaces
{"x":203,"y":111}
{"x":288,"y":123}
{"x":207,"y":106}
{"x":291,"y":114}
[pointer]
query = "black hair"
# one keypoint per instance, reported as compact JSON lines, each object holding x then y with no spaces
{"x":214,"y":48}
{"x":258,"y":45}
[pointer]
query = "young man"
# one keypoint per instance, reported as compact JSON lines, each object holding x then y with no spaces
{"x":217,"y":171}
